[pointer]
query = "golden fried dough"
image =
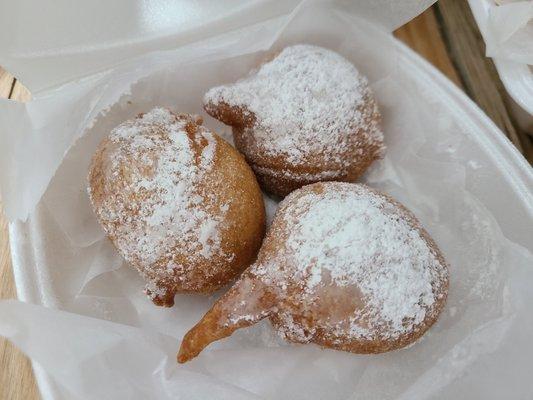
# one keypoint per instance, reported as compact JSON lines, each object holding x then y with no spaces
{"x":178,"y":202}
{"x":342,"y":266}
{"x":305,"y":116}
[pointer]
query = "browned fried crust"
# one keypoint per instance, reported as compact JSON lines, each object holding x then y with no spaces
{"x":220,"y":322}
{"x":279,"y":177}
{"x":231,"y":181}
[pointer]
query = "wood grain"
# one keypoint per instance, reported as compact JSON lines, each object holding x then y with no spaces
{"x":16,"y":375}
{"x":480,"y":78}
{"x":423,"y":35}
{"x":6,"y":83}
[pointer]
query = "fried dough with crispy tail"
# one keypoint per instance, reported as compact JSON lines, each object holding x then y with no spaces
{"x":178,"y":202}
{"x":342,"y":266}
{"x":305,"y":116}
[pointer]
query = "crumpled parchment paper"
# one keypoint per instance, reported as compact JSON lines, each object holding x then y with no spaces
{"x":508,"y":31}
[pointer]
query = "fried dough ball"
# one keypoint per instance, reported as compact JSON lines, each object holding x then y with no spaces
{"x":178,"y":202}
{"x":305,"y":116}
{"x":342,"y":266}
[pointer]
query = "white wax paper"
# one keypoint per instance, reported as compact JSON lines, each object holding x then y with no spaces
{"x":35,"y":40}
{"x":95,"y":51}
{"x":508,"y":31}
{"x":98,"y":337}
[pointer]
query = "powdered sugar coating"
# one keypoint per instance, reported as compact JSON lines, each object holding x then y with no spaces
{"x":342,"y":266}
{"x":353,"y":238}
{"x":308,"y":100}
{"x":152,"y":204}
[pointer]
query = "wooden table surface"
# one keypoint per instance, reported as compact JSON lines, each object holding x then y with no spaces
{"x":446,"y":35}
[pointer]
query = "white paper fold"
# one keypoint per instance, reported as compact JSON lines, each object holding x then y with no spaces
{"x":125,"y":40}
{"x":508,"y":31}
{"x":35,"y":136}
{"x":63,"y":40}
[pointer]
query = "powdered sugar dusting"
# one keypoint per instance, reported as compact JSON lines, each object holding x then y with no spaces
{"x":305,"y":101}
{"x":360,"y":239}
{"x":159,"y":158}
